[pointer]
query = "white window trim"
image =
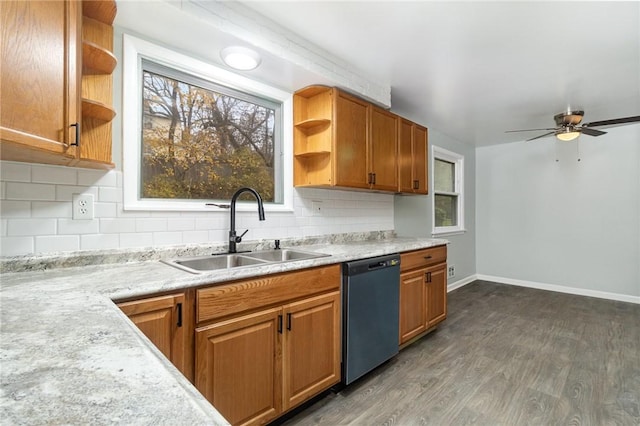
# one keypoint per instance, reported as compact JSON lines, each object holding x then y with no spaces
{"x":134,"y":49}
{"x":458,"y":160}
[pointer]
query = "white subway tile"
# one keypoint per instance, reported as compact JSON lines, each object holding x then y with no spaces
{"x":70,"y":226}
{"x":30,"y":191}
{"x":131,"y":213}
{"x":97,"y":178}
{"x":109,"y":194}
{"x":218,"y":236}
{"x":105,"y":210}
{"x":211,"y":223}
{"x":15,"y":172}
{"x":18,"y":227}
{"x":181,"y":224}
{"x":151,"y":225}
{"x":136,"y":240}
{"x":15,"y":209}
{"x":54,"y":174}
{"x":117,"y":226}
{"x":193,"y":237}
{"x":99,"y":242}
{"x":52,"y":209}
{"x":3,"y":227}
{"x":57,"y":243}
{"x":65,"y":192}
{"x":13,"y":246}
{"x":3,"y":190}
{"x":167,"y":238}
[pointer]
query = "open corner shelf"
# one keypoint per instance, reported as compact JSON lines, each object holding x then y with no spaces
{"x":103,"y":11}
{"x":96,"y":59}
{"x":98,"y":110}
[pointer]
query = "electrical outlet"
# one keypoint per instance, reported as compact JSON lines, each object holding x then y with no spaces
{"x":82,"y":206}
{"x":451,"y":271}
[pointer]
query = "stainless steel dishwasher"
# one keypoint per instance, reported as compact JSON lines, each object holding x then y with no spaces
{"x":371,"y":292}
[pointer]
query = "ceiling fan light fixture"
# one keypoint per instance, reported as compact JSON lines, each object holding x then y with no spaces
{"x":567,"y":135}
{"x":240,"y":58}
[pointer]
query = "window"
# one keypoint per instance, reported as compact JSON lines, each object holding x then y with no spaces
{"x":448,"y":202}
{"x":194,"y":133}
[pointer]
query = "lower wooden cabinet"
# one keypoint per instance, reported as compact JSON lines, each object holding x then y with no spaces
{"x":264,"y":346}
{"x":423,"y":291}
{"x":165,"y":320}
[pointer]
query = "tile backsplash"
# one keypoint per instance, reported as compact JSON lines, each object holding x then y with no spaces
{"x":36,"y":214}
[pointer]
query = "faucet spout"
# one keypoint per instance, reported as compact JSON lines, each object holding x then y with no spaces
{"x":233,"y":237}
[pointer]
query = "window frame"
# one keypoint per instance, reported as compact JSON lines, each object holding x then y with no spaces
{"x":458,"y":162}
{"x":134,"y":50}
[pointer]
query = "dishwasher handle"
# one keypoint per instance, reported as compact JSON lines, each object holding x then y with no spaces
{"x":372,"y":264}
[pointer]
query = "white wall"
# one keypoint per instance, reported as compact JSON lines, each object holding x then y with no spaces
{"x":413,"y":214}
{"x":35,"y":210}
{"x":566,"y":223}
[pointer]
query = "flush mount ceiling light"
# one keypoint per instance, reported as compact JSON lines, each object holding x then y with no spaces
{"x":568,"y":134}
{"x":240,"y":58}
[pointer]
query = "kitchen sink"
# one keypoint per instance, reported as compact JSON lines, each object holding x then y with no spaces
{"x":216,"y":262}
{"x":284,"y":255}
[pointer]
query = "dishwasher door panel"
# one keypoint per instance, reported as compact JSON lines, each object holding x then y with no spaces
{"x":371,"y":304}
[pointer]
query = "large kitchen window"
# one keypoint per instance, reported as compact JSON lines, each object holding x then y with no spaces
{"x":448,"y":201}
{"x":195,"y":133}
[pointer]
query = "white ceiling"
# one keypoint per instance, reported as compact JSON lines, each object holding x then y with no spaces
{"x":470,"y":70}
{"x":475,"y":69}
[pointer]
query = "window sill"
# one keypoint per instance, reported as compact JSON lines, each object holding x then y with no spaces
{"x":448,"y":233}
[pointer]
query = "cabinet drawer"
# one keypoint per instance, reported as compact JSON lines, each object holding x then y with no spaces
{"x":240,"y":296}
{"x":423,"y":258}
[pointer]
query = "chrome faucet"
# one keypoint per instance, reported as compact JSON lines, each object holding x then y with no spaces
{"x":233,"y":237}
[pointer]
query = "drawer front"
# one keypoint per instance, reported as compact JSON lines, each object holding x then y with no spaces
{"x":227,"y":299}
{"x":423,"y":258}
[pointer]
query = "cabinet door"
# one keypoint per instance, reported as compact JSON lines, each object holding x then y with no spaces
{"x":436,"y":278}
{"x":40,"y":80}
{"x":405,"y":156}
{"x":311,"y":347}
{"x":383,"y":150}
{"x":413,"y":298}
{"x":420,"y":144}
{"x":162,"y":320}
{"x":239,"y":366}
{"x":350,"y":141}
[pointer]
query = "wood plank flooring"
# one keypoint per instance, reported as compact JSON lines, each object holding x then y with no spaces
{"x":506,"y":355}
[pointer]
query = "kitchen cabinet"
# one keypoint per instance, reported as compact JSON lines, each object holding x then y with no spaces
{"x":412,"y":158}
{"x":167,"y":323}
{"x":266,"y":345}
{"x":423,"y":291}
{"x":344,"y":142}
{"x":56,"y":82}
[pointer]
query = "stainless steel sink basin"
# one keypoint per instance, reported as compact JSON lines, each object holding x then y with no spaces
{"x":284,"y":255}
{"x":202,"y":264}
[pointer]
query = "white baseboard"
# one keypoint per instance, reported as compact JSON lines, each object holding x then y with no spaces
{"x":460,"y":283}
{"x":558,"y":288}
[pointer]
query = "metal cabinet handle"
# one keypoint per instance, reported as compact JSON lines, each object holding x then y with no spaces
{"x":427,"y":257}
{"x":280,"y":324}
{"x":179,"y":308}
{"x":416,"y":184}
{"x":77,"y":126}
{"x":289,"y":321}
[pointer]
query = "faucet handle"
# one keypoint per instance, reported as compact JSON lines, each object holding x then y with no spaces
{"x":239,"y":237}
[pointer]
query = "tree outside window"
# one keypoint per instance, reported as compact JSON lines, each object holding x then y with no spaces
{"x":200,"y":141}
{"x":447,"y":188}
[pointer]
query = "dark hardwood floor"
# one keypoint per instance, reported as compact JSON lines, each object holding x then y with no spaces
{"x":505,"y":355}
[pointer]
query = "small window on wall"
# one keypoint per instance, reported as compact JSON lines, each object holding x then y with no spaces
{"x":448,"y":201}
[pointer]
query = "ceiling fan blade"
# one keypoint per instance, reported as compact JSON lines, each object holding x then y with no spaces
{"x":542,"y":136}
{"x":613,"y":122}
{"x":592,"y":132}
{"x":526,"y":130}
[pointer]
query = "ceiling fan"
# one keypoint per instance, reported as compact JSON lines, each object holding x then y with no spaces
{"x":568,"y":126}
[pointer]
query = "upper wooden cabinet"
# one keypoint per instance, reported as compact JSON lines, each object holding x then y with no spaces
{"x":412,"y":158}
{"x":345,"y":142}
{"x":57,"y":60}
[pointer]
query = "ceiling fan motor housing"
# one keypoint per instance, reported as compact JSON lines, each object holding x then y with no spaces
{"x":568,"y":118}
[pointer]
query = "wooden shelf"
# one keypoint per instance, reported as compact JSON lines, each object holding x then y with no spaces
{"x":103,"y":11}
{"x":312,"y":91}
{"x":98,"y":110}
{"x":312,"y":154}
{"x":97,"y":60}
{"x":313,"y":124}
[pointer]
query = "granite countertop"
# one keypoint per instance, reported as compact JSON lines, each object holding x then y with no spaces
{"x":68,"y":355}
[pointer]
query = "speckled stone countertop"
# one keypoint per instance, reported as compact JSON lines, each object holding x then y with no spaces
{"x":68,"y":355}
